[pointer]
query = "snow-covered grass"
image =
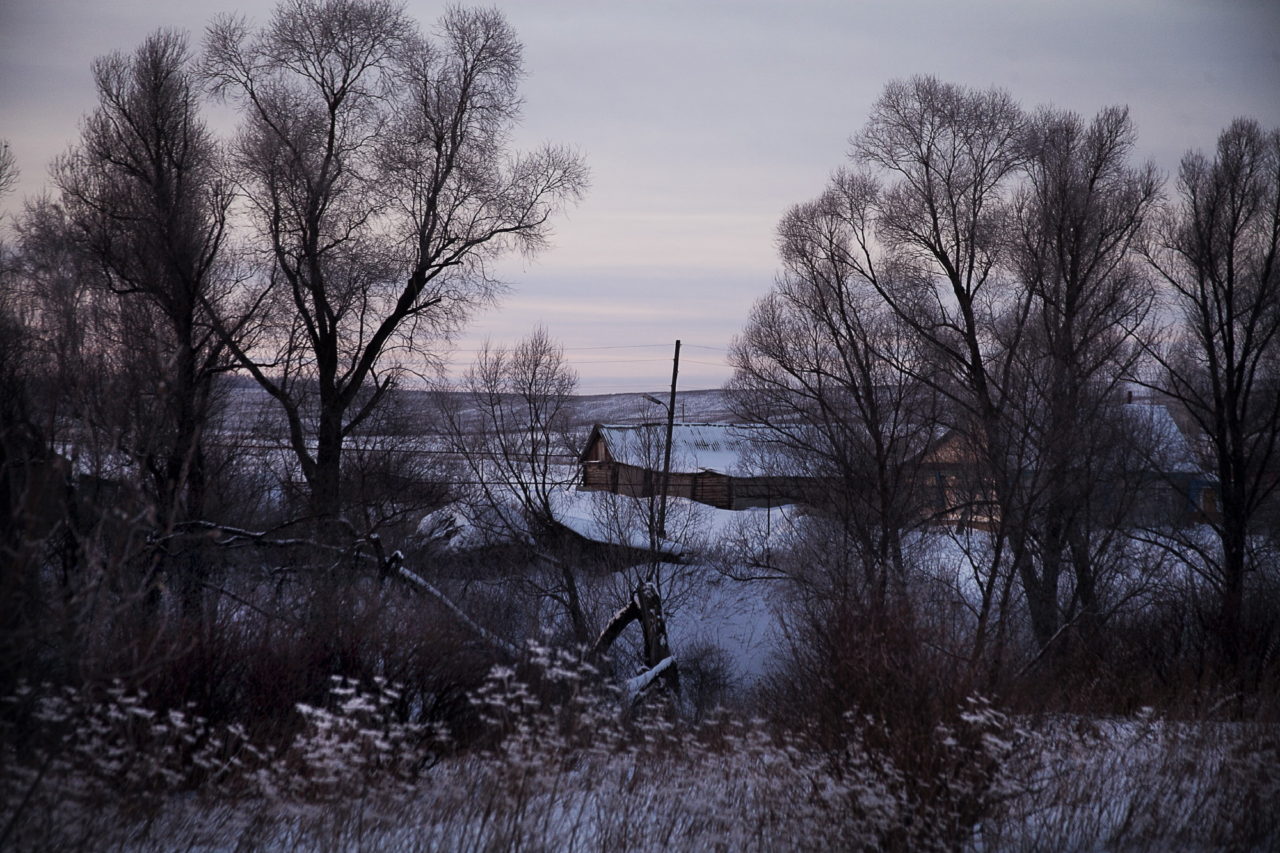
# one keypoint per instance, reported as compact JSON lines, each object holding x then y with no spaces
{"x":1142,"y":784}
{"x":563,"y":762}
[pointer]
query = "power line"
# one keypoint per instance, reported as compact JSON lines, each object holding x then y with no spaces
{"x":569,"y":349}
{"x":572,"y":361}
{"x":619,"y":346}
{"x":609,"y":346}
{"x":613,"y":360}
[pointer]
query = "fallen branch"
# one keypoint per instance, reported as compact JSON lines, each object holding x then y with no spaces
{"x":387,"y":566}
{"x":484,"y":633}
{"x":249,"y":604}
{"x":238,"y":537}
{"x":636,"y":686}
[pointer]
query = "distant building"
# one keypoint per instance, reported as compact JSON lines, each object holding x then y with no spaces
{"x":1163,"y":484}
{"x":714,"y":464}
{"x":722,"y":465}
{"x":1178,"y":488}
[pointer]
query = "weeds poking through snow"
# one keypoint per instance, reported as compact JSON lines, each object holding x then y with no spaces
{"x":563,"y":762}
{"x":354,"y":747}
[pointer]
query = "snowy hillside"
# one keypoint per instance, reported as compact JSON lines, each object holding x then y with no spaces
{"x":249,"y":409}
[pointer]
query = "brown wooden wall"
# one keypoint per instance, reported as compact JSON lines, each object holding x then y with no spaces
{"x":708,"y":487}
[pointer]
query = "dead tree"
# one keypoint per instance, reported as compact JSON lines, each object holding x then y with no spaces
{"x":645,"y":607}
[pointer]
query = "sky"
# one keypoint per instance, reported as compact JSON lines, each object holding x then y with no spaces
{"x":702,"y":122}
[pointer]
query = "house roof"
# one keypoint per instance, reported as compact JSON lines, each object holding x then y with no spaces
{"x":1166,"y":446}
{"x":734,"y":449}
{"x":1171,"y":450}
{"x":695,"y":448}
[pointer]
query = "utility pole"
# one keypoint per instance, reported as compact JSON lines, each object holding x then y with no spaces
{"x":666,"y":456}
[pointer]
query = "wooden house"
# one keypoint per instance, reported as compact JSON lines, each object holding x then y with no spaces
{"x":713,"y":464}
{"x":720,"y":465}
{"x":1166,"y":486}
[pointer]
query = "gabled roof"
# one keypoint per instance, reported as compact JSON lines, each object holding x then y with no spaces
{"x":695,"y":448}
{"x":1171,"y":449}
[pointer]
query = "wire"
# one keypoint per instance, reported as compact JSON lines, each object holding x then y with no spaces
{"x":614,"y":360}
{"x":620,"y":346}
{"x":614,"y":346}
{"x":569,"y":349}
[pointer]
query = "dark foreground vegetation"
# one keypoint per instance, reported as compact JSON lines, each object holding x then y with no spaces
{"x":1032,"y":398}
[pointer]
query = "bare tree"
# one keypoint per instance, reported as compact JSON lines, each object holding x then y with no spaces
{"x":78,"y":558}
{"x":941,"y":162}
{"x":1074,"y":223}
{"x":146,"y":205}
{"x":512,"y":427}
{"x":376,"y":167}
{"x":523,"y":399}
{"x":20,"y":447}
{"x":1219,"y":255}
{"x":8,"y":170}
{"x":974,"y":273}
{"x":820,"y":364}
{"x":89,"y":396}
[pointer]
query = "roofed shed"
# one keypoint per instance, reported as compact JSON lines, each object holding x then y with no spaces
{"x":713,"y":464}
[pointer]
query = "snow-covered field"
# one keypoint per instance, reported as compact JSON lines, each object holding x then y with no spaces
{"x":249,"y":408}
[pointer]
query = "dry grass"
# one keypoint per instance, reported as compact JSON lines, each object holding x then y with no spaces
{"x":562,"y":763}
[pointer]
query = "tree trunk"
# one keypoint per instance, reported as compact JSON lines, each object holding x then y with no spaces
{"x":326,"y":481}
{"x":1230,"y":613}
{"x":656,"y":647}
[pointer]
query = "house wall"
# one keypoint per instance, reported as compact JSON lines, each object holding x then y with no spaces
{"x":750,"y":492}
{"x":642,"y":483}
{"x":707,"y":487}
